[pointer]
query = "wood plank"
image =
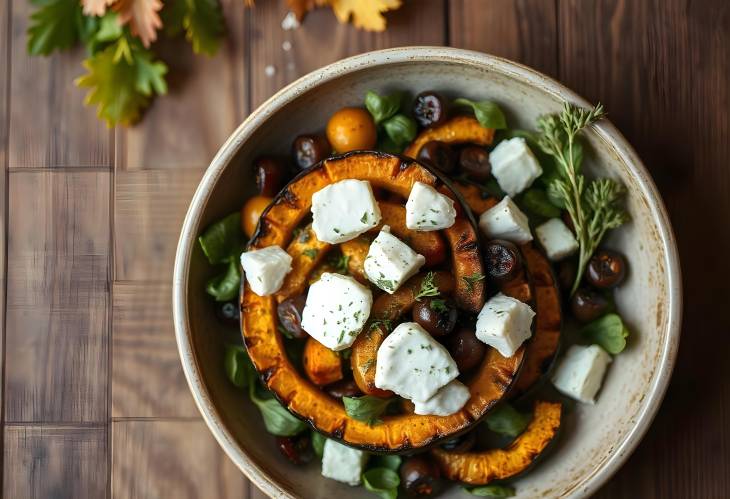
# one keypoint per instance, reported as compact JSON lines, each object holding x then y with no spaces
{"x":661,"y":69}
{"x":58,"y":297}
{"x":521,"y":30}
{"x":50,"y":126}
{"x":149,"y":209}
{"x":4,"y":121}
{"x":322,"y":40}
{"x":147,"y":380}
{"x":206,"y":102}
{"x":60,"y":462}
{"x":179,"y":459}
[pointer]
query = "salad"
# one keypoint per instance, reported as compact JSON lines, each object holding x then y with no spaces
{"x":403,"y":282}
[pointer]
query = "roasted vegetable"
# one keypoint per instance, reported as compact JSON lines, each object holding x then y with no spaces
{"x":322,"y":365}
{"x":429,"y":244}
{"x":355,"y":251}
{"x":306,"y":252}
{"x":458,"y":130}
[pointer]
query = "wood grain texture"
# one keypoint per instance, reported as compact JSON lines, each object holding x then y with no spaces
{"x":522,"y":30}
{"x":43,"y":462}
{"x":147,"y":379}
{"x":58,"y":297}
{"x":4,"y":121}
{"x":49,"y":125}
{"x":322,"y":40}
{"x":205,"y":103}
{"x":178,"y":459}
{"x":149,"y":208}
{"x":662,"y":70}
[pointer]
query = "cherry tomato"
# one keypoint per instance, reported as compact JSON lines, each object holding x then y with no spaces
{"x":251,"y":212}
{"x":351,"y":129}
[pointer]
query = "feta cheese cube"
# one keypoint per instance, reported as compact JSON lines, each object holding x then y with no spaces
{"x":514,"y":165}
{"x":265,"y":269}
{"x":557,"y":239}
{"x":336,"y":310}
{"x":391,"y":262}
{"x":413,"y":364}
{"x":344,"y":210}
{"x":342,"y":463}
{"x":505,"y":221}
{"x":579,"y":373}
{"x":504,"y":323}
{"x":429,"y":210}
{"x":447,"y":400}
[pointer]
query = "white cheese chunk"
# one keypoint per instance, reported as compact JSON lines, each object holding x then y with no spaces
{"x":391,"y":262}
{"x":344,"y":210}
{"x":505,"y":221}
{"x":514,"y":165}
{"x":557,"y":239}
{"x":429,"y":210}
{"x":504,"y":323}
{"x":343,"y":463}
{"x":579,"y":373}
{"x":413,"y":364}
{"x":265,"y":269}
{"x":447,"y":400}
{"x":336,"y":310}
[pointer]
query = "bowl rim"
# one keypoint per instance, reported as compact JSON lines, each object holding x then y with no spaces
{"x":604,"y":130}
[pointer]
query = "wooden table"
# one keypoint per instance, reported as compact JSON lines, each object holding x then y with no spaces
{"x":94,"y":401}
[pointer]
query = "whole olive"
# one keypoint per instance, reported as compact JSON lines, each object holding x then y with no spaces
{"x":439,"y":155}
{"x":435,"y":315}
{"x":566,"y":274}
{"x":466,"y":349}
{"x":270,"y":176}
{"x":474,"y":161}
{"x":308,"y":150}
{"x":343,"y":388}
{"x":429,"y":109}
{"x":228,"y":312}
{"x":296,"y":449}
{"x":606,"y":269}
{"x":503,"y":260}
{"x":419,"y":476}
{"x":290,"y":315}
{"x":462,"y":443}
{"x":588,"y":304}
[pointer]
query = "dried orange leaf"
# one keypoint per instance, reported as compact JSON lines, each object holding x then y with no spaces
{"x":367,"y":15}
{"x":142,"y":16}
{"x":301,"y":7}
{"x":95,"y":7}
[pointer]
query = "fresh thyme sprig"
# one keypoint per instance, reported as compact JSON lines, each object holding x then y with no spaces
{"x":594,"y":208}
{"x":428,"y":287}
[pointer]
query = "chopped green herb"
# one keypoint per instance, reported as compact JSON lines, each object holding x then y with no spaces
{"x":428,"y":287}
{"x":304,"y":237}
{"x":311,"y":253}
{"x":471,"y":280}
{"x":385,"y":284}
{"x":439,"y":305}
{"x":364,"y":218}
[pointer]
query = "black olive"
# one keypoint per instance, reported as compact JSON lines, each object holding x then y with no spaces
{"x":270,"y":176}
{"x":419,"y":476}
{"x":343,"y":388}
{"x":466,"y":349}
{"x":463,"y":443}
{"x":606,"y":269}
{"x":290,"y":315}
{"x":308,"y":150}
{"x":503,"y":260}
{"x":588,"y":305}
{"x":435,"y":315}
{"x":296,"y":449}
{"x":429,"y":109}
{"x":438,"y":155}
{"x":228,"y":312}
{"x":474,"y":161}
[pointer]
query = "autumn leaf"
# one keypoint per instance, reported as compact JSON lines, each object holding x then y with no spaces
{"x":53,"y":26}
{"x":142,"y":16}
{"x":367,"y":15}
{"x":301,"y":7}
{"x":96,"y":7}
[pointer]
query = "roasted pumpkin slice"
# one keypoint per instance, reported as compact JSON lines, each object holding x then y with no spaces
{"x":307,"y":253}
{"x":481,"y":468}
{"x":356,"y":250}
{"x":429,"y":244}
{"x":467,"y":266}
{"x":477,"y":199}
{"x":542,"y":349}
{"x":322,"y":365}
{"x":458,"y":130}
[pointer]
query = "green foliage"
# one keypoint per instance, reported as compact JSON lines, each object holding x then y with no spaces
{"x":487,"y":113}
{"x":366,"y":408}
{"x":401,"y":130}
{"x":491,"y":490}
{"x":382,"y":481}
{"x":382,"y":107}
{"x":506,"y":420}
{"x":55,"y":25}
{"x":608,"y":331}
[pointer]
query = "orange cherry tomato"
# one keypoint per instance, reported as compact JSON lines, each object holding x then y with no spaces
{"x":350,"y":129}
{"x":251,"y":212}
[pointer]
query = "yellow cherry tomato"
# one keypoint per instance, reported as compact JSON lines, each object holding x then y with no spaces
{"x":350,"y":129}
{"x":251,"y":212}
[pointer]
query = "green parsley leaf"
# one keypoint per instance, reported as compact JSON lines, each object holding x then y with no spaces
{"x":487,"y":113}
{"x":225,"y":286}
{"x":506,"y":420}
{"x":609,"y":332}
{"x":382,"y":481}
{"x":401,"y":129}
{"x":491,"y":490}
{"x":223,"y":239}
{"x":428,"y":287}
{"x":382,"y":107}
{"x":471,"y":280}
{"x":366,"y":408}
{"x":55,"y":25}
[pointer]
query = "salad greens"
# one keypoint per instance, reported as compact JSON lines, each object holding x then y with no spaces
{"x":366,"y":408}
{"x":608,"y":331}
{"x":382,"y":481}
{"x":383,"y":107}
{"x":506,"y":420}
{"x":491,"y":490}
{"x":487,"y":113}
{"x":222,"y":243}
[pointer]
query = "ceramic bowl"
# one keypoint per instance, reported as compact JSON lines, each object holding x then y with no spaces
{"x":595,"y":439}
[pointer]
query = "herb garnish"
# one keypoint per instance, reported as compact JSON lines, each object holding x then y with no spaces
{"x":340,"y":263}
{"x":471,"y":280}
{"x":438,"y":305}
{"x":364,"y":218}
{"x":311,"y":253}
{"x":428,"y":287}
{"x":366,"y":408}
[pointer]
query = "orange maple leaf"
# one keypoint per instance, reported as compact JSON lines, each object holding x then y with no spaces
{"x":367,"y":15}
{"x":96,"y":7}
{"x":301,"y":7}
{"x":142,"y":16}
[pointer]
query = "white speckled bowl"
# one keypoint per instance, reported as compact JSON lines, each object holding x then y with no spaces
{"x":595,"y":440}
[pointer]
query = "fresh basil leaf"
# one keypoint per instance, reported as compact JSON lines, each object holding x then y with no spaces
{"x":389,"y":461}
{"x":238,"y":366}
{"x":225,"y":286}
{"x":401,"y":129}
{"x":609,"y":332}
{"x":223,"y":239}
{"x":366,"y":408}
{"x":487,"y":113}
{"x":387,"y":145}
{"x":277,"y":419}
{"x":536,"y":202}
{"x":506,"y":420}
{"x":382,"y":107}
{"x":318,"y":441}
{"x":532,"y":138}
{"x":382,"y":481}
{"x":492,"y":490}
